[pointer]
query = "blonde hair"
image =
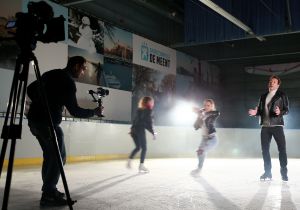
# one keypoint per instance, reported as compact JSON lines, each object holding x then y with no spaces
{"x":144,"y":101}
{"x":211,"y":101}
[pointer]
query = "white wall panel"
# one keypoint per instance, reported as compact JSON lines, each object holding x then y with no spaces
{"x":89,"y":138}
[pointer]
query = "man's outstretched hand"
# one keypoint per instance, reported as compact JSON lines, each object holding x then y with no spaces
{"x":154,"y":135}
{"x":252,"y":112}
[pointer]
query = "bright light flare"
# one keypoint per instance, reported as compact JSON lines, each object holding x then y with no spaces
{"x":183,"y":113}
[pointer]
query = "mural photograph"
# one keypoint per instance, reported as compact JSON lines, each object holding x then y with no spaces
{"x":94,"y":65}
{"x":188,"y":78}
{"x":209,"y":73}
{"x":85,"y":32}
{"x":117,"y":43}
{"x":116,"y":74}
{"x":160,"y":86}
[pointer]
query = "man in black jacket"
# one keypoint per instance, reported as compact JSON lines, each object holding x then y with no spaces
{"x":271,"y":108}
{"x":60,"y":91}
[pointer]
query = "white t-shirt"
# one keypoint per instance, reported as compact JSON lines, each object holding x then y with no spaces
{"x":266,"y":120}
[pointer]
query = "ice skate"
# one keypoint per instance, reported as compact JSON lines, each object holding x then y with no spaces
{"x":143,"y":169}
{"x":266,"y":177}
{"x":128,"y":165}
{"x":196,"y":172}
{"x":284,"y":178}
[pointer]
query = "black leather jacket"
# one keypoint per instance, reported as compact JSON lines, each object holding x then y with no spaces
{"x":209,"y":121}
{"x":279,"y":99}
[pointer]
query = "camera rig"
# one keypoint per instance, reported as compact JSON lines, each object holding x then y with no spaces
{"x":97,"y":97}
{"x":30,"y":27}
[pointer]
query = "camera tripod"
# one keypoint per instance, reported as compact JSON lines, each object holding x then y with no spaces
{"x":12,"y":128}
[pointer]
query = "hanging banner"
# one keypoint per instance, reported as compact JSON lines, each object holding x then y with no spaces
{"x":153,"y":55}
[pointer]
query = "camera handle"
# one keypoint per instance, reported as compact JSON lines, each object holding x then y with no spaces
{"x":12,"y":129}
{"x":98,"y":101}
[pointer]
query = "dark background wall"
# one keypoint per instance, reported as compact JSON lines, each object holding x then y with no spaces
{"x":241,"y":91}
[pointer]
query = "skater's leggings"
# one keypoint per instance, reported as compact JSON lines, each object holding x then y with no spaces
{"x":139,"y":139}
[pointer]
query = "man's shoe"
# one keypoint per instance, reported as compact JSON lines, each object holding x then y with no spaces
{"x":60,"y":194}
{"x":266,"y":176}
{"x":53,"y":199}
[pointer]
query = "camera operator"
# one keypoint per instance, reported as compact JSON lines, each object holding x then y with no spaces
{"x":60,"y":90}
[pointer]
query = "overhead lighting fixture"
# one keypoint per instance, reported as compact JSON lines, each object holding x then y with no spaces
{"x":231,"y":18}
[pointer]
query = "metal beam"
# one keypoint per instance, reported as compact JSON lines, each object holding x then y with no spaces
{"x":231,"y":18}
{"x":254,"y":56}
{"x":76,"y":2}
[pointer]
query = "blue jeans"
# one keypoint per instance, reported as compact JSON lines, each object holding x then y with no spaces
{"x":50,"y":168}
{"x":207,"y":144}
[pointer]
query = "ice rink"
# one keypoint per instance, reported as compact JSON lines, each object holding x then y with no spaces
{"x":226,"y":184}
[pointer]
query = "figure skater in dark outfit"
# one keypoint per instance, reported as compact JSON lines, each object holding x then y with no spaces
{"x":206,"y":120}
{"x":142,"y":121}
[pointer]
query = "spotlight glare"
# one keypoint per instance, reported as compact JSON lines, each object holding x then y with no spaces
{"x":183,"y":113}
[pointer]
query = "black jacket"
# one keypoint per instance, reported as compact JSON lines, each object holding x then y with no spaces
{"x":209,"y":121}
{"x":143,"y":120}
{"x":279,"y":99}
{"x":60,"y":90}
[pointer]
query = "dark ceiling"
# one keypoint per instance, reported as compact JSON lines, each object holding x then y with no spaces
{"x":163,"y":21}
{"x":157,"y":20}
{"x":281,"y":48}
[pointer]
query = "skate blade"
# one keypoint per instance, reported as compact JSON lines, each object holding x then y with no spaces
{"x":195,"y":174}
{"x":266,"y":179}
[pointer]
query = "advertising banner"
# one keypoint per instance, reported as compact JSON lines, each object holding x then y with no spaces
{"x":153,"y":55}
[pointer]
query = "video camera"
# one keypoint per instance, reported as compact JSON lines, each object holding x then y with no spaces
{"x":30,"y":27}
{"x":100,"y":93}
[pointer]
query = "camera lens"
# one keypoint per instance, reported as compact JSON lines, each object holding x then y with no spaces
{"x":103,"y":92}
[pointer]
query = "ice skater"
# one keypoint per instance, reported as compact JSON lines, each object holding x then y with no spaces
{"x":272,"y":106}
{"x":206,"y":120}
{"x":143,"y":121}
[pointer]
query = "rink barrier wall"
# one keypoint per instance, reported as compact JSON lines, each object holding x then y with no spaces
{"x":92,"y":141}
{"x":70,"y":159}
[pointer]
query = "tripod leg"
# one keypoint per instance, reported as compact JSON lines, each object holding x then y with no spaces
{"x":10,"y":109}
{"x":54,"y":138}
{"x":9,"y":174}
{"x":2,"y":155}
{"x":10,"y":129}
